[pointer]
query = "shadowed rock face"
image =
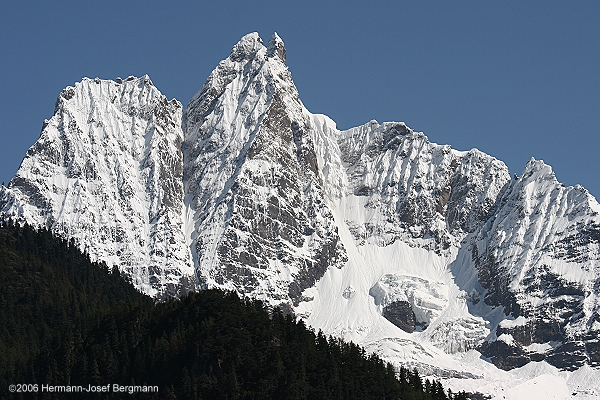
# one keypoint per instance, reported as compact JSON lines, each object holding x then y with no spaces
{"x":504,"y":356}
{"x":263,"y":226}
{"x":400,"y":314}
{"x":568,"y":356}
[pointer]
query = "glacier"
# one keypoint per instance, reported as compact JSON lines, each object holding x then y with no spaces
{"x":431,"y":257}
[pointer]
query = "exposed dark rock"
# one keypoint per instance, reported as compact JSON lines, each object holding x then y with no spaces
{"x":363,"y":191}
{"x":563,"y":304}
{"x":392,"y":138}
{"x":574,"y":247}
{"x":34,"y":196}
{"x":464,"y":211}
{"x":504,"y":356}
{"x":68,"y":93}
{"x":275,"y":47}
{"x":400,"y":314}
{"x":305,"y":151}
{"x":592,"y":348}
{"x":442,"y":200}
{"x":569,"y":356}
{"x":494,"y":279}
{"x":185,"y":286}
{"x":539,"y":330}
{"x":477,"y":396}
{"x":331,"y":254}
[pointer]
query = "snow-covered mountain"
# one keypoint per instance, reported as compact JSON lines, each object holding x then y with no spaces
{"x":429,"y":256}
{"x":107,"y":171}
{"x":260,"y":224}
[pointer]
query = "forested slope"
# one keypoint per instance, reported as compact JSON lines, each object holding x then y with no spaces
{"x":68,"y":321}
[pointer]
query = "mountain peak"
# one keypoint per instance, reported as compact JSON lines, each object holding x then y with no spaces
{"x":276,"y":47}
{"x":539,"y":169}
{"x":248,"y":46}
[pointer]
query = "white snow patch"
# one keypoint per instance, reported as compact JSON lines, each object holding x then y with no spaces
{"x":543,"y":387}
{"x":509,"y":324}
{"x":540,"y":348}
{"x":507,"y":338}
{"x":585,"y":382}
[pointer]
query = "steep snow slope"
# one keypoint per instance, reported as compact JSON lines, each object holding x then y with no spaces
{"x":398,"y":262}
{"x":107,"y":172}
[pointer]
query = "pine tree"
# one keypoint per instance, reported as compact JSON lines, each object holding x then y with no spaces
{"x":415,"y":380}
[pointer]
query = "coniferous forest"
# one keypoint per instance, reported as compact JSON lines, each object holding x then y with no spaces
{"x":67,"y":321}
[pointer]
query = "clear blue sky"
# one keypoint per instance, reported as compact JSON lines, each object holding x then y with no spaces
{"x":514,"y":79}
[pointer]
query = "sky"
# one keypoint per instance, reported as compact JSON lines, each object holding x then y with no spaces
{"x":513,"y":79}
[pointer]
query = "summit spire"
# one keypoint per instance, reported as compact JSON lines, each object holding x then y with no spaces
{"x":276,"y":47}
{"x":248,"y":46}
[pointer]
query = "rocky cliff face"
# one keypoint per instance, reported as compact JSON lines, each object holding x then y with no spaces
{"x":427,"y":195}
{"x":375,"y":233}
{"x":538,"y":257}
{"x":260,"y":221}
{"x":107,"y":171}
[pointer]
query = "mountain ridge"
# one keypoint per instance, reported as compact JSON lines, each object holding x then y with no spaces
{"x":374,"y":234}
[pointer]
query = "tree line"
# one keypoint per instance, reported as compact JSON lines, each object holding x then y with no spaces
{"x":69,"y":321}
